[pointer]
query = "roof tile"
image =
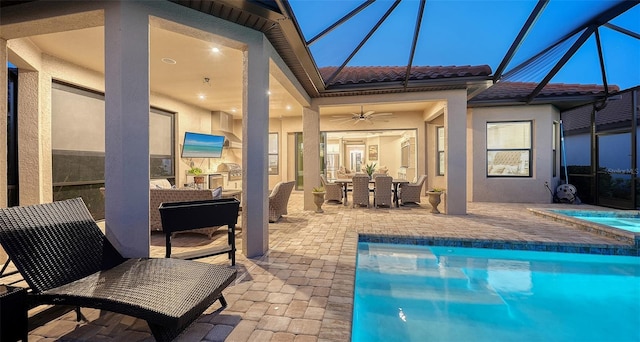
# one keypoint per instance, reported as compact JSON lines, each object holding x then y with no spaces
{"x":375,"y":74}
{"x":521,"y":90}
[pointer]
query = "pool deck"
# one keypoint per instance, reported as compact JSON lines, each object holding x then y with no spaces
{"x":302,"y":289}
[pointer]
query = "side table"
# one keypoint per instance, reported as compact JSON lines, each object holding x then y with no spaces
{"x":13,"y":313}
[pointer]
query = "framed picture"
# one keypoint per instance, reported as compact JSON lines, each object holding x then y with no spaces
{"x":373,"y":152}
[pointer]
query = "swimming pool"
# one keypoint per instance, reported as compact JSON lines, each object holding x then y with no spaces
{"x":629,"y":221}
{"x":421,"y":293}
{"x":622,"y":225}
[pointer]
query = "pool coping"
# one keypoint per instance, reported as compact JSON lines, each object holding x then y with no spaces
{"x":596,"y":228}
{"x":538,"y":246}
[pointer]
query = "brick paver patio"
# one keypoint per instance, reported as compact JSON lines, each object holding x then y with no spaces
{"x":302,"y":289}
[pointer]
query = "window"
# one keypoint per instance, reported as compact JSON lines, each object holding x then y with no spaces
{"x":273,"y":154}
{"x":509,"y":149}
{"x":440,"y":148}
{"x":78,"y":145}
{"x":161,"y":142}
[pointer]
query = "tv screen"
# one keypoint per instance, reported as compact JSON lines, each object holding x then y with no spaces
{"x":199,"y":145}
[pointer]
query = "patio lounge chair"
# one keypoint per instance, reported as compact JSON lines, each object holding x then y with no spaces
{"x":411,"y":192}
{"x":333,"y":190}
{"x":65,"y":259}
{"x":279,"y":200}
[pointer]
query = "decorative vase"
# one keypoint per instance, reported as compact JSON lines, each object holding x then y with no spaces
{"x":434,"y":200}
{"x":318,"y":200}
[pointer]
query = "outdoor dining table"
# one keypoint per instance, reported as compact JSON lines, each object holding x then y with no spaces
{"x":395,"y":182}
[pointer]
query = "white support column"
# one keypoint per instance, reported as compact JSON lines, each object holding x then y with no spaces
{"x":455,"y":123}
{"x":4,"y":81}
{"x":127,"y":128}
{"x":311,"y":154}
{"x":255,"y":134}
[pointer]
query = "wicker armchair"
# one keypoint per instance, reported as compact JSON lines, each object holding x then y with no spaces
{"x":158,"y":196}
{"x":66,"y":260}
{"x":382,"y":192}
{"x":360,"y":189}
{"x":411,"y":192}
{"x":333,"y":191}
{"x":279,"y":199}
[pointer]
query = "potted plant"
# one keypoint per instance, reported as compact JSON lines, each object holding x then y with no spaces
{"x":370,"y":168}
{"x":434,"y":199}
{"x":196,"y":172}
{"x":318,"y":198}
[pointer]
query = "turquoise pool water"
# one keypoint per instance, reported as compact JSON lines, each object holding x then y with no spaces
{"x":626,"y":221}
{"x":419,"y":293}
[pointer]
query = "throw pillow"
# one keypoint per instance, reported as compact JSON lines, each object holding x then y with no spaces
{"x":217,"y":193}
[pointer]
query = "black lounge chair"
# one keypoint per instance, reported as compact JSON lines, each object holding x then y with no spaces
{"x":66,"y":259}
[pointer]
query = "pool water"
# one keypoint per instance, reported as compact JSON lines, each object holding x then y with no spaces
{"x":420,"y":293}
{"x":626,"y":221}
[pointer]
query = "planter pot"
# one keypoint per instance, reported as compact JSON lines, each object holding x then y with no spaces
{"x":434,"y":200}
{"x":318,"y":200}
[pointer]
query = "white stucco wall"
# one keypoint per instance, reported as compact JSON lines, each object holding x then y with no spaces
{"x":513,"y":189}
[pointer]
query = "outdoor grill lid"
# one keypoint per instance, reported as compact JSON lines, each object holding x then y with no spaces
{"x":228,"y":167}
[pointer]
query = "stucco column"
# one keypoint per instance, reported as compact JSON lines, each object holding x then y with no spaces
{"x":455,"y":123}
{"x":127,"y":128}
{"x":3,"y":121}
{"x":29,"y":137}
{"x":310,"y":154}
{"x":255,"y":134}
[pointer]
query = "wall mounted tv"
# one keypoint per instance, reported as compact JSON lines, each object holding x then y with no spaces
{"x":199,"y":145}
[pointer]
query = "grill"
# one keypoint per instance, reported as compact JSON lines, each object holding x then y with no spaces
{"x":233,"y":171}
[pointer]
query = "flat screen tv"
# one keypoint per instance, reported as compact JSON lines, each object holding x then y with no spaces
{"x":199,"y":145}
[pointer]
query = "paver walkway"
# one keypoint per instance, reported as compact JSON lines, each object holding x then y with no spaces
{"x":302,"y":289}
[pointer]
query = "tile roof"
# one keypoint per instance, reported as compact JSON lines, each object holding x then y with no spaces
{"x":521,"y":90}
{"x":617,"y":112}
{"x":376,"y":74}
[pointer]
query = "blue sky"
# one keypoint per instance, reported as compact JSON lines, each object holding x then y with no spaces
{"x":457,"y":32}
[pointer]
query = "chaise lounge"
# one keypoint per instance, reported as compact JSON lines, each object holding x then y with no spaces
{"x":66,"y":260}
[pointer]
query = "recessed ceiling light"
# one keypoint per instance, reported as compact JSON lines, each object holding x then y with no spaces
{"x":268,"y":92}
{"x":215,"y":50}
{"x":202,"y":96}
{"x":169,"y":60}
{"x":233,"y":110}
{"x":288,"y":107}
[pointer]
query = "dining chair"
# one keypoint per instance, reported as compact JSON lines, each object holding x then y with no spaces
{"x":411,"y":192}
{"x":360,"y":190}
{"x":333,"y":191}
{"x":382,"y":191}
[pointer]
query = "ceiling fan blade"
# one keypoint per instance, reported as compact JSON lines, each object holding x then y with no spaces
{"x":342,"y":119}
{"x":380,"y":114}
{"x":368,"y":113}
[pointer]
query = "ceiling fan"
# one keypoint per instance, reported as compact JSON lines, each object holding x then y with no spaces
{"x":363,"y":116}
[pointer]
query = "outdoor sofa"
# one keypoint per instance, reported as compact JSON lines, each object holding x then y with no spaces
{"x":66,"y":259}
